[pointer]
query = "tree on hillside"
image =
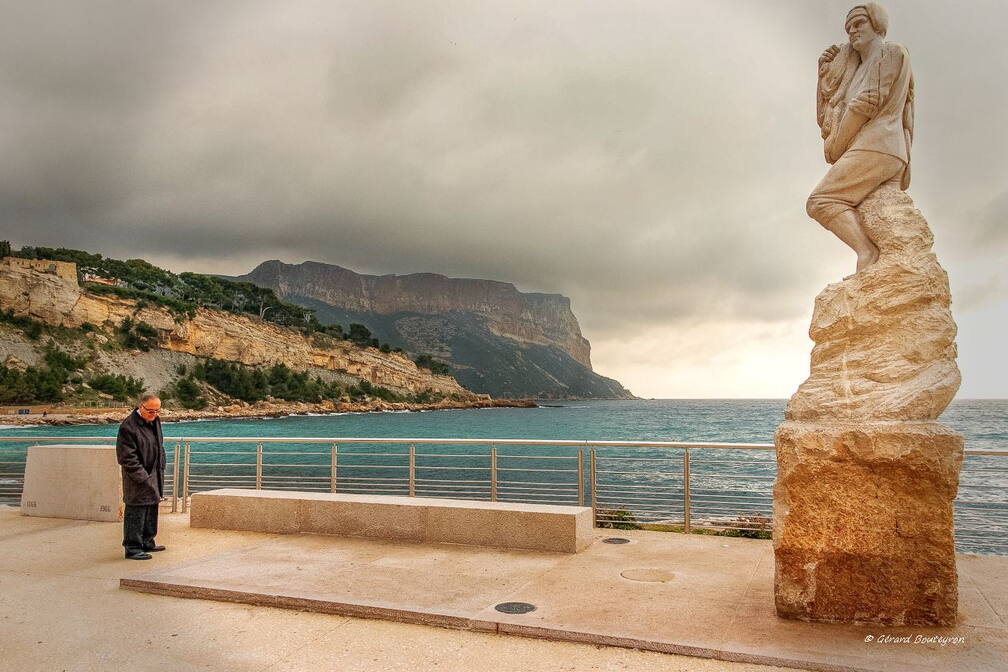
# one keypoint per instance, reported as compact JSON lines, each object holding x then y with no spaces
{"x":360,"y":334}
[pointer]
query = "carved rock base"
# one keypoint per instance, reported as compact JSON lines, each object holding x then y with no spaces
{"x":863,"y":522}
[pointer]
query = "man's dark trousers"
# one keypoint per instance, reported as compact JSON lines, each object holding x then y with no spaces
{"x":139,"y":527}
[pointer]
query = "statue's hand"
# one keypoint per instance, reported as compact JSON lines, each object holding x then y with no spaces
{"x":828,"y":55}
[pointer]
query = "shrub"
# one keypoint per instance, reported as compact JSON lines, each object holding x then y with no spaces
{"x":435,"y":366}
{"x":187,"y":392}
{"x":31,"y":328}
{"x":30,"y":385}
{"x":137,"y":336}
{"x":251,"y":384}
{"x":359,"y":335}
{"x":119,"y":386}
{"x":366,"y":388}
{"x":617,"y":519}
{"x":57,"y":360}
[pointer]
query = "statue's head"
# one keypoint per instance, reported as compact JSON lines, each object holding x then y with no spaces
{"x":865,"y":22}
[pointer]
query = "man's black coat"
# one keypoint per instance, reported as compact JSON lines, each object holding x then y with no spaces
{"x":140,"y":450}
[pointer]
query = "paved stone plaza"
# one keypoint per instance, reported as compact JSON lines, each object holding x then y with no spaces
{"x":63,"y":607}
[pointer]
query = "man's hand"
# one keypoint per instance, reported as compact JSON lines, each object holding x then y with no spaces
{"x":828,"y":55}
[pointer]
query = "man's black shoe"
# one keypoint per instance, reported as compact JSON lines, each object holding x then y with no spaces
{"x":154,"y":549}
{"x":139,"y":556}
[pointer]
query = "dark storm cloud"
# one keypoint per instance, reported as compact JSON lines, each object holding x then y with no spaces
{"x":649,"y":160}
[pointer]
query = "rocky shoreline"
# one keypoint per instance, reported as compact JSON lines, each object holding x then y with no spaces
{"x":262,"y":409}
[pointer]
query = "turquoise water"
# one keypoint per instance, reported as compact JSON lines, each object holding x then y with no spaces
{"x":724,"y":485}
{"x":983,"y":422}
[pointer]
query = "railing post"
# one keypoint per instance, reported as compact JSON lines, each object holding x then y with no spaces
{"x":185,"y":478}
{"x":175,"y":477}
{"x":259,"y":451}
{"x":493,"y":473}
{"x":412,"y":470}
{"x":591,"y":469}
{"x":332,"y":468}
{"x":580,"y":476}
{"x":686,"y":492}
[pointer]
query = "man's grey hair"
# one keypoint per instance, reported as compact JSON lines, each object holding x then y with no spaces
{"x":147,"y":396}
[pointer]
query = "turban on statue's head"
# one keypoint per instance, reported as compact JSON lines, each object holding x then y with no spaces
{"x":877,"y":16}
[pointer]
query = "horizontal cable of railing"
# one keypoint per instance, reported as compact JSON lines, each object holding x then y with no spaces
{"x":629,"y":484}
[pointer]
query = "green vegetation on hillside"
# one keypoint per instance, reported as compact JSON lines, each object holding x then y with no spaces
{"x":180,"y":293}
{"x":31,"y":328}
{"x":183,"y":293}
{"x":120,"y":387}
{"x":435,"y":366}
{"x":137,"y":335}
{"x":252,"y":384}
{"x":47,"y":383}
{"x":44,"y":383}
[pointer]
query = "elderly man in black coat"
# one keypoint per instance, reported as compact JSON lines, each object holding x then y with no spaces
{"x":141,"y":453}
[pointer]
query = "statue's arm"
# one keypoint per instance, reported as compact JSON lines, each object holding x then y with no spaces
{"x":838,"y":143}
{"x":822,"y":85}
{"x":867,"y":103}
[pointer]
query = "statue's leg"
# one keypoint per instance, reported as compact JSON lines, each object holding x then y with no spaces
{"x":832,"y":203}
{"x":847,"y":227}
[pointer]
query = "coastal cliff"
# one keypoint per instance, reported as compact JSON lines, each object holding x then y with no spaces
{"x":541,"y":319}
{"x":498,"y":340}
{"x":58,"y":301}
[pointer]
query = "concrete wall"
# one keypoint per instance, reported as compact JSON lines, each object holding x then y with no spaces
{"x":79,"y":482}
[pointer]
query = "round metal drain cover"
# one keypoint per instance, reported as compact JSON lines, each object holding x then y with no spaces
{"x":615,"y":540}
{"x":515,"y":607}
{"x":648,"y":575}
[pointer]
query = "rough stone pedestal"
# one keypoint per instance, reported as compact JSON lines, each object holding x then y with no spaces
{"x":865,"y":474}
{"x":863,"y":522}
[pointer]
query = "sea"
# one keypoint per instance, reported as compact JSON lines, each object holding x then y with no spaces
{"x":722,"y":481}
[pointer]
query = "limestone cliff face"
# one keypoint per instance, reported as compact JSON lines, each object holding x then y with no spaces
{"x":539,"y":319}
{"x":57,"y":301}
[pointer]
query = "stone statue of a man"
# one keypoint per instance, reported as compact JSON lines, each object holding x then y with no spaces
{"x":865,"y":109}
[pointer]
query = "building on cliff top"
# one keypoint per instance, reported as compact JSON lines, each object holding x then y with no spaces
{"x":64,"y":269}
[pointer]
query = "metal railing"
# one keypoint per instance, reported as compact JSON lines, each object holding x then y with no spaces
{"x":723,"y":488}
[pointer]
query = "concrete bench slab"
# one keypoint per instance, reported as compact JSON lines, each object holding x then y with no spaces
{"x":541,"y":527}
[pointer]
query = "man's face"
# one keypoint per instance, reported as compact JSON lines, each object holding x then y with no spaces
{"x":150,"y":409}
{"x":860,"y":31}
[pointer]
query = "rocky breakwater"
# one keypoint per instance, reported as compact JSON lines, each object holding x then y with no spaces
{"x":866,"y":476}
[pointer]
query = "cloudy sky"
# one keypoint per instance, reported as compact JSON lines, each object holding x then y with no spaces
{"x":649,"y":159}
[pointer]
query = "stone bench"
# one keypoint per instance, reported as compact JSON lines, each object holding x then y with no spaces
{"x":540,"y":527}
